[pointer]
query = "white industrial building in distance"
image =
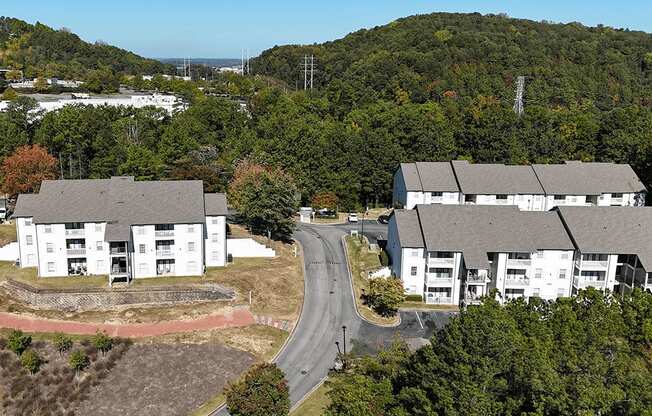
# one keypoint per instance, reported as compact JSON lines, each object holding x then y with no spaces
{"x":455,"y":254}
{"x":122,"y":228}
{"x":530,"y":187}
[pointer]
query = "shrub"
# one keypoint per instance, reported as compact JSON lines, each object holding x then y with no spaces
{"x":18,"y":342}
{"x":262,"y":391}
{"x":385,"y":296}
{"x":102,"y":342}
{"x":414,"y":298}
{"x":384,"y":258}
{"x":31,"y":361}
{"x":62,"y":342}
{"x":78,"y":360}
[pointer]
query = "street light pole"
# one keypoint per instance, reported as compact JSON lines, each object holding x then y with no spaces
{"x":344,"y":356}
{"x":338,"y":347}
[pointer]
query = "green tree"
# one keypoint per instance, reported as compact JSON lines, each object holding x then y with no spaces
{"x":265,"y":199}
{"x":18,"y":342}
{"x":102,"y":342}
{"x":78,"y":360}
{"x":62,"y":342}
{"x":263,"y":391}
{"x":358,"y":395}
{"x":142,"y":163}
{"x":385,"y":295}
{"x":31,"y":361}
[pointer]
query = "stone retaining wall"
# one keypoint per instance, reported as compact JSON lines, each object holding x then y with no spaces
{"x":89,"y":299}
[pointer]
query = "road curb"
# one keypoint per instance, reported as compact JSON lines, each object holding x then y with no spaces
{"x":355,"y":303}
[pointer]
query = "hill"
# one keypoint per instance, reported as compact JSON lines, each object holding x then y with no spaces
{"x":39,"y":50}
{"x":466,"y":55}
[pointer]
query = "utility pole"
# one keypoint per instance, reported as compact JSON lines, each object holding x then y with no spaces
{"x":518,"y":101}
{"x":312,"y":69}
{"x":305,"y":72}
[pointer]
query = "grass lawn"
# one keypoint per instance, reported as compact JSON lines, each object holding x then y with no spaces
{"x":361,"y":261}
{"x":29,"y":276}
{"x":315,"y":404}
{"x":7,"y":233}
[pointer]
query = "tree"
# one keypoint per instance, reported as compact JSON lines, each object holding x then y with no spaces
{"x":41,"y":85}
{"x":78,"y":360}
{"x":62,"y":342}
{"x":24,"y":171}
{"x":385,"y":295}
{"x":9,"y":94}
{"x":263,"y":391}
{"x":326,"y":200}
{"x":102,"y":342}
{"x":358,"y":395}
{"x":31,"y":361}
{"x":18,"y":341}
{"x":265,"y":199}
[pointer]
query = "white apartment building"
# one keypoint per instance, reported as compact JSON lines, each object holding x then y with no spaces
{"x":122,"y":228}
{"x":613,"y":247}
{"x":452,"y":254}
{"x":531,"y":188}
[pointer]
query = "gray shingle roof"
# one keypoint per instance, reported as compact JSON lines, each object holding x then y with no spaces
{"x":429,"y":177}
{"x":611,"y":230}
{"x":490,"y":179}
{"x":215,"y":204}
{"x":577,"y":178}
{"x":408,"y":227}
{"x":477,"y":230}
{"x":119,"y":201}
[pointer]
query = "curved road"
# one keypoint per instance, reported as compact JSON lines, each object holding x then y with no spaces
{"x":328,"y":305}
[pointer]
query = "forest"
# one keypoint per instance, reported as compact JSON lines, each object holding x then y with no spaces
{"x":40,"y":51}
{"x":587,"y":97}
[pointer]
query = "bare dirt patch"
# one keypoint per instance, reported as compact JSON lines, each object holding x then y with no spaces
{"x":165,"y":379}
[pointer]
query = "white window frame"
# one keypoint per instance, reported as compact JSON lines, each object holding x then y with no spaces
{"x":191,"y":228}
{"x":99,"y":245}
{"x":215,"y":238}
{"x":51,"y":267}
{"x":29,"y":240}
{"x":191,"y":246}
{"x":98,"y":227}
{"x":142,"y":248}
{"x":563,"y":273}
{"x":191,"y":266}
{"x":49,"y":248}
{"x":413,"y":270}
{"x":47,"y":228}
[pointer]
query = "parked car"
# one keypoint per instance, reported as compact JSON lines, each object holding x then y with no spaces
{"x":353,"y":217}
{"x":325,"y":212}
{"x":383,"y":219}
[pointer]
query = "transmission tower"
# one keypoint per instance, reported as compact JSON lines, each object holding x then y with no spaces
{"x":308,"y":71}
{"x":518,"y":101}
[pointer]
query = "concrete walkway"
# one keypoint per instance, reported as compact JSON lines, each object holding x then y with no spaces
{"x":236,"y":318}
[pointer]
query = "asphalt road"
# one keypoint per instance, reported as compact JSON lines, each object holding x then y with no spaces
{"x":329,"y":305}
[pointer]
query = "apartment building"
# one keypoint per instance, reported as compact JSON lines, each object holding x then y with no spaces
{"x":531,"y":188}
{"x":455,"y":254}
{"x":613,"y":247}
{"x":452,"y":254}
{"x":122,"y":228}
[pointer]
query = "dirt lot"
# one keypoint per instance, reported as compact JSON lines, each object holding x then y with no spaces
{"x":7,"y":233}
{"x":165,"y":379}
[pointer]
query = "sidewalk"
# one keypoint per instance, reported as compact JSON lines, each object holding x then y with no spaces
{"x":235,"y":318}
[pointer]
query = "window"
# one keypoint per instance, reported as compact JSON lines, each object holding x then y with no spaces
{"x":469,"y":198}
{"x":538,"y":254}
{"x":191,"y":246}
{"x":98,"y":245}
{"x":501,"y":197}
{"x":47,"y":228}
{"x":214,"y":220}
{"x":436,"y":194}
{"x":573,"y":199}
{"x":616,"y":195}
{"x":413,"y":271}
{"x":560,"y":197}
{"x":414,"y":253}
{"x":564,"y":255}
{"x":535,"y":292}
{"x":142,"y":268}
{"x":561,"y":292}
{"x":214,"y":238}
{"x":215,"y":255}
{"x":30,"y":259}
{"x":562,"y":273}
{"x":192,"y":266}
{"x":191,"y":228}
{"x":99,"y":266}
{"x":50,"y":267}
{"x":141,"y":248}
{"x":140,"y":230}
{"x":537,"y":273}
{"x":519,"y":256}
{"x":29,"y":240}
{"x":49,"y":247}
{"x":440,"y":273}
{"x":98,"y":227}
{"x":28,"y":221}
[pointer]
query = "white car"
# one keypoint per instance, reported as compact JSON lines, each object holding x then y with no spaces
{"x":353,"y":217}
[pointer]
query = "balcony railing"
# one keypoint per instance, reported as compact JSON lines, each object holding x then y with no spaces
{"x":517,"y":282}
{"x":118,"y":251}
{"x":476,"y":279}
{"x":441,"y":261}
{"x":434,"y":280}
{"x":594,"y":264}
{"x":164,"y":253}
{"x":584,"y":282}
{"x":164,"y":233}
{"x":519,"y":262}
{"x":444,"y":300}
{"x":75,"y":232}
{"x":76,"y":251}
{"x":118,"y":271}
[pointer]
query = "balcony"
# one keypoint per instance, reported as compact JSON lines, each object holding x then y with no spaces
{"x":476,"y":279}
{"x":519,"y":262}
{"x":74,"y":232}
{"x":441,"y":261}
{"x":164,"y":253}
{"x":76,"y":251}
{"x":118,"y":271}
{"x":594,"y":264}
{"x":163,"y":233}
{"x":584,"y":282}
{"x":118,"y":251}
{"x":517,"y":281}
{"x":438,"y":300}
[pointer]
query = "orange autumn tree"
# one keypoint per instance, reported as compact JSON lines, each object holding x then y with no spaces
{"x":325,"y":200}
{"x":23,"y":171}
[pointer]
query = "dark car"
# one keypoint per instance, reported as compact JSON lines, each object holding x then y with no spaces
{"x":383,"y":219}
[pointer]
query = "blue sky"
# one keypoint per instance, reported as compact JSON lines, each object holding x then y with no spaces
{"x":221,"y":28}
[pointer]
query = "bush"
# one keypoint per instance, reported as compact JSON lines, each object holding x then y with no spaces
{"x":62,"y":342}
{"x":414,"y":298}
{"x":263,"y":391}
{"x":384,"y":258}
{"x":385,"y":296}
{"x":18,"y":342}
{"x":78,"y":360}
{"x":31,"y":361}
{"x":102,"y":342}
